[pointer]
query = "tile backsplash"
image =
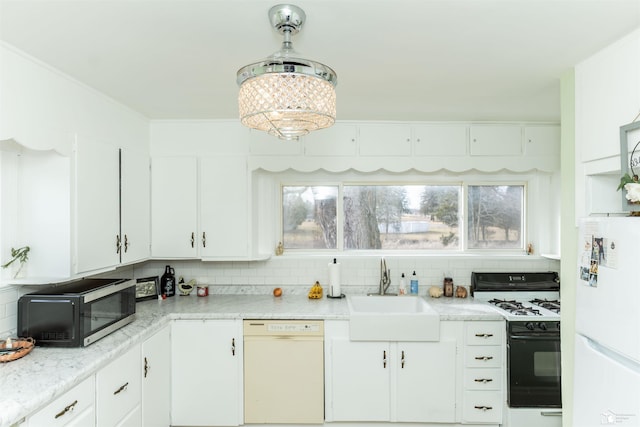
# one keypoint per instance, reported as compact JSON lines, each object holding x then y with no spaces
{"x":295,"y":275}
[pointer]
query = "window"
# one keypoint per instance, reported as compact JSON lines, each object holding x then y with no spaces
{"x":495,"y":216}
{"x":403,"y":217}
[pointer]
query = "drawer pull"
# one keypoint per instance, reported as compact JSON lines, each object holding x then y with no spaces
{"x":484,"y":335}
{"x":483,"y":380}
{"x":484,"y":358}
{"x":66,"y":409}
{"x":484,"y":408}
{"x":122,"y":388}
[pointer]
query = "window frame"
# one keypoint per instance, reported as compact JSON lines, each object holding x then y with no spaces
{"x":463,"y":180}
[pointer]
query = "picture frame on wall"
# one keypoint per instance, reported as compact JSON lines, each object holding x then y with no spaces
{"x":147,"y":288}
{"x":630,"y":162}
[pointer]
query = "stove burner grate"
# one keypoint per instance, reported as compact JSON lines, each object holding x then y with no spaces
{"x":515,"y":307}
{"x":549,"y":305}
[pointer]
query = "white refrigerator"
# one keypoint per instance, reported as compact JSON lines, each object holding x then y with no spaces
{"x":607,"y":352}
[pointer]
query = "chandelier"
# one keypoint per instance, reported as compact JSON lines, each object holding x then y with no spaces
{"x":284,"y":95}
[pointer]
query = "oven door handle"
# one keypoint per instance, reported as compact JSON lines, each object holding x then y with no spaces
{"x":551,"y":413}
{"x":548,"y":337}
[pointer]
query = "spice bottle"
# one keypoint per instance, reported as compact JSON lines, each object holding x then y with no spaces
{"x":447,"y":287}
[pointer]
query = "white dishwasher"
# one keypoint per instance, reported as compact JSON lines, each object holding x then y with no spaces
{"x":283,"y":371}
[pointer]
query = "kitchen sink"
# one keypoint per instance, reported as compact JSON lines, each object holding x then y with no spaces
{"x":392,"y":318}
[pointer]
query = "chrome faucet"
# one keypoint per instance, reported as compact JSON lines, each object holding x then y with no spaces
{"x":385,"y":277}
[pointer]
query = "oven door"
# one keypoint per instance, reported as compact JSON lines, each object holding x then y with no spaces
{"x":533,"y":366}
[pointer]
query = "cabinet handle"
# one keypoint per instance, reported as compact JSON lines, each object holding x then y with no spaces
{"x":123,"y":387}
{"x":146,"y":367}
{"x":66,"y":409}
{"x":384,"y":359}
{"x":402,"y":360}
{"x":117,"y":243}
{"x":484,"y":408}
{"x":193,"y":239}
{"x":126,"y":243}
{"x":483,"y":380}
{"x":204,"y":239}
{"x":485,"y":358}
{"x":484,"y":335}
{"x":233,"y":346}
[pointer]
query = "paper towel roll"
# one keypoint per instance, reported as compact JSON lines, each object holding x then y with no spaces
{"x":334,"y":279}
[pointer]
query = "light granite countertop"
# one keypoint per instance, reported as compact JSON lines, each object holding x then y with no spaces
{"x":31,"y":382}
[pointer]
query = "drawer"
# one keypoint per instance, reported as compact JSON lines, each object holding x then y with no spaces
{"x":118,"y":388}
{"x":482,"y":407}
{"x":483,"y":379}
{"x":68,"y":407}
{"x":483,"y":356}
{"x":484,"y":333}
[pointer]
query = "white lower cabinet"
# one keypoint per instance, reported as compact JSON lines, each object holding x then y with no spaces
{"x":391,"y":381}
{"x":118,"y":391}
{"x":206,"y":373}
{"x":484,"y":372}
{"x":74,"y":408}
{"x":156,"y":379}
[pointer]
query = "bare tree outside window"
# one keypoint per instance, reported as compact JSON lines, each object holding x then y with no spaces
{"x":495,"y":216}
{"x":309,"y":217}
{"x":399,"y":217}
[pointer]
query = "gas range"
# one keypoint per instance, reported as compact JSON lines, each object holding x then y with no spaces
{"x":530,"y":302}
{"x":519,"y":296}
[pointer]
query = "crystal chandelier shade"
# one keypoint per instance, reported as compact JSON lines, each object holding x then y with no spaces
{"x":283,"y":95}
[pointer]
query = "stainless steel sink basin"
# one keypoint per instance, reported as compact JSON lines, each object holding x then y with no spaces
{"x":392,"y":318}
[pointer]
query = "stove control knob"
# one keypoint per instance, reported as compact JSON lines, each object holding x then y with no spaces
{"x":530,"y":326}
{"x":542,"y":326}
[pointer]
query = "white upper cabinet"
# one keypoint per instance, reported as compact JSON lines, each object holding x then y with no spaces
{"x":387,"y":139}
{"x":495,"y":140}
{"x":224,"y":207}
{"x":607,"y":96}
{"x":112,"y":205}
{"x":97,"y":206}
{"x":440,"y":140}
{"x":542,"y":141}
{"x":338,"y":140}
{"x":174,"y":199}
{"x":135,"y":206}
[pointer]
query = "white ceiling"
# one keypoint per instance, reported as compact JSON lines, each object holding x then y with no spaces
{"x":395,"y":59}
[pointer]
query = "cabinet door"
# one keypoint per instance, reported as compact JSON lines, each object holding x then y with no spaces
{"x":206,"y":373}
{"x":97,"y":206}
{"x":135,"y":206}
{"x":174,"y":199}
{"x":426,"y":381}
{"x":118,"y":389}
{"x":224,"y":207}
{"x":360,"y":380}
{"x":385,"y":140}
{"x":495,"y":140}
{"x":338,"y":140}
{"x":156,"y":379}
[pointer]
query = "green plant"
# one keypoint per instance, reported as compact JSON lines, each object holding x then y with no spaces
{"x":626,"y":179}
{"x":20,"y":254}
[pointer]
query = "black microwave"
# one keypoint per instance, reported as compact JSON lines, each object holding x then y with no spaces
{"x":76,"y":313}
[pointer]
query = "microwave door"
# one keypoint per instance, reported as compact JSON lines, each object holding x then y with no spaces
{"x":51,"y":321}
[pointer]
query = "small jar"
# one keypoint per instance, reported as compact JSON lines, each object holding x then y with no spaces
{"x":447,"y":287}
{"x":202,"y":290}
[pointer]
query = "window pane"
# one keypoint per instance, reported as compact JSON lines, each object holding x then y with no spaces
{"x":495,"y":216}
{"x":400,"y":217}
{"x":309,"y":217}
